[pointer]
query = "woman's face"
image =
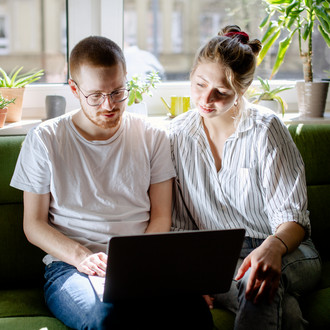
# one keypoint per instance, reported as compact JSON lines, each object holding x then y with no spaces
{"x":210,"y":90}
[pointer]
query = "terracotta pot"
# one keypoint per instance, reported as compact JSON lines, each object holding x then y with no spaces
{"x":3,"y":115}
{"x":14,"y":109}
{"x":312,"y":98}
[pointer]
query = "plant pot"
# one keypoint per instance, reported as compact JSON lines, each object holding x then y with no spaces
{"x":138,"y":108}
{"x":312,"y":98}
{"x":15,"y":109}
{"x":3,"y":115}
{"x":270,"y":104}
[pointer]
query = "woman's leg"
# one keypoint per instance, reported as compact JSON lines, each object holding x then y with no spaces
{"x":300,"y":273}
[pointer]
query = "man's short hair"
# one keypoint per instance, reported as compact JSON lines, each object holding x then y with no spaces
{"x":96,"y":51}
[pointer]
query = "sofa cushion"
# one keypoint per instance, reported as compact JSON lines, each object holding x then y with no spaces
{"x":10,"y":148}
{"x":223,"y":319}
{"x":313,"y":143}
{"x":31,"y":323}
{"x":25,"y":302}
{"x":316,"y":309}
{"x":20,"y":261}
{"x":319,"y":208}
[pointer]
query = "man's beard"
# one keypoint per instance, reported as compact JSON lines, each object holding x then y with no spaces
{"x":107,"y":123}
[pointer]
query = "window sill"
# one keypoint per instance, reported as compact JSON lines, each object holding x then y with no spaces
{"x":161,"y":121}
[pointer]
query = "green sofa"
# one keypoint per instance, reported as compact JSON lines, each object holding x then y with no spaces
{"x":21,"y":276}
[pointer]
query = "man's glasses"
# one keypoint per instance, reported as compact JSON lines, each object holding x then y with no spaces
{"x":96,"y":99}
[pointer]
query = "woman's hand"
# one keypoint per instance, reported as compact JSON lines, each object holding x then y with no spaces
{"x":94,"y":264}
{"x":209,"y":300}
{"x":265,"y":262}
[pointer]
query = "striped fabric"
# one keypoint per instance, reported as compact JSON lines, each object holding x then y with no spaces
{"x":260,"y":185}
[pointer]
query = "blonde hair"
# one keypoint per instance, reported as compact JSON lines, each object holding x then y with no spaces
{"x":235,"y":52}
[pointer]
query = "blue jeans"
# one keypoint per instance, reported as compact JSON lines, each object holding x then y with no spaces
{"x":301,"y":271}
{"x":71,"y":298}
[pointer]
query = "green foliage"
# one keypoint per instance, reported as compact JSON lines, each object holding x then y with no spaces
{"x":138,"y":87}
{"x":291,"y":18}
{"x":5,"y":102}
{"x":264,"y":92}
{"x":15,"y":80}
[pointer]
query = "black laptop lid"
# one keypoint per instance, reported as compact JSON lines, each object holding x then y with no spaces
{"x":172,"y":263}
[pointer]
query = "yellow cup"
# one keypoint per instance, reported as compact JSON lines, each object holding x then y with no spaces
{"x":179,"y":104}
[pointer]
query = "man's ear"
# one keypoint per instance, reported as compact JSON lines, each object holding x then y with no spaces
{"x":73,"y":88}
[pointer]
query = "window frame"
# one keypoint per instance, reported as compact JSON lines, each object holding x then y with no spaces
{"x":106,"y":17}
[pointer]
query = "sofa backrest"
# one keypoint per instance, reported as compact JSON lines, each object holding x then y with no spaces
{"x":313,"y":142}
{"x":20,"y":261}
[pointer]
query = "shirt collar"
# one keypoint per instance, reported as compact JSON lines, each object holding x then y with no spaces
{"x":246,"y":121}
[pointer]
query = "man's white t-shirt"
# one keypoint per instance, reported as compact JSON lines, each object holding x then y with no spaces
{"x":98,"y":188}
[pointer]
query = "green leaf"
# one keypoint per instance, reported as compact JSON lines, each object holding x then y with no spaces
{"x":308,"y":3}
{"x":5,"y":102}
{"x":307,"y":30}
{"x":289,"y":8}
{"x":324,"y":35}
{"x":272,"y":27}
{"x":282,"y":49}
{"x":281,"y":102}
{"x":131,"y":98}
{"x":278,"y":2}
{"x":138,"y":96}
{"x":323,"y":18}
{"x":264,"y":84}
{"x":15,"y":79}
{"x":264,"y":21}
{"x":267,"y":46}
{"x":6,"y":79}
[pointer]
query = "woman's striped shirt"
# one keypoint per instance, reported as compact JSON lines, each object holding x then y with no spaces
{"x":260,"y":185}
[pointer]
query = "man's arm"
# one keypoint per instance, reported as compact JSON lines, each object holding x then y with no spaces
{"x":161,"y":207}
{"x":40,"y":233}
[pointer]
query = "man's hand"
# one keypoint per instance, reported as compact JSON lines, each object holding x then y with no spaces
{"x":94,"y":264}
{"x":265,"y":262}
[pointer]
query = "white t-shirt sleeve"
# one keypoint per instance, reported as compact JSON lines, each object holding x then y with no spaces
{"x":161,"y":163}
{"x":32,"y":171}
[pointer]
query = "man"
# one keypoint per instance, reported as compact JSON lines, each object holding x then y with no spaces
{"x":87,"y":176}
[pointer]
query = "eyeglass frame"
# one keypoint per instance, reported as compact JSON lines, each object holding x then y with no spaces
{"x":104,"y":95}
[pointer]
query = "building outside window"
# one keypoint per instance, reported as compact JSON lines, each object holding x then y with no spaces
{"x":174,"y":29}
{"x":33,"y":33}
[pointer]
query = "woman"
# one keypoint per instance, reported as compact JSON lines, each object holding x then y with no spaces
{"x":237,"y":167}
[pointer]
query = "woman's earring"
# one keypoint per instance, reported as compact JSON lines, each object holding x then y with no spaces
{"x":236,"y":103}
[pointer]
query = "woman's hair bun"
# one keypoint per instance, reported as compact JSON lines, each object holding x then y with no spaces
{"x":234,"y":31}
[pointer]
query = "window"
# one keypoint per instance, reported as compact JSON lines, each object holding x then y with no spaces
{"x":33,"y":35}
{"x":174,"y":29}
{"x":40,"y":34}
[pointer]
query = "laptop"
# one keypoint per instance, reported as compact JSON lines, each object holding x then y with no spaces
{"x":173,"y":263}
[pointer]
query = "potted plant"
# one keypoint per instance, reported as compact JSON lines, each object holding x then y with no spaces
{"x":12,"y":85}
{"x":268,"y":97}
{"x":298,"y":18}
{"x":3,"y":109}
{"x":138,"y":87}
